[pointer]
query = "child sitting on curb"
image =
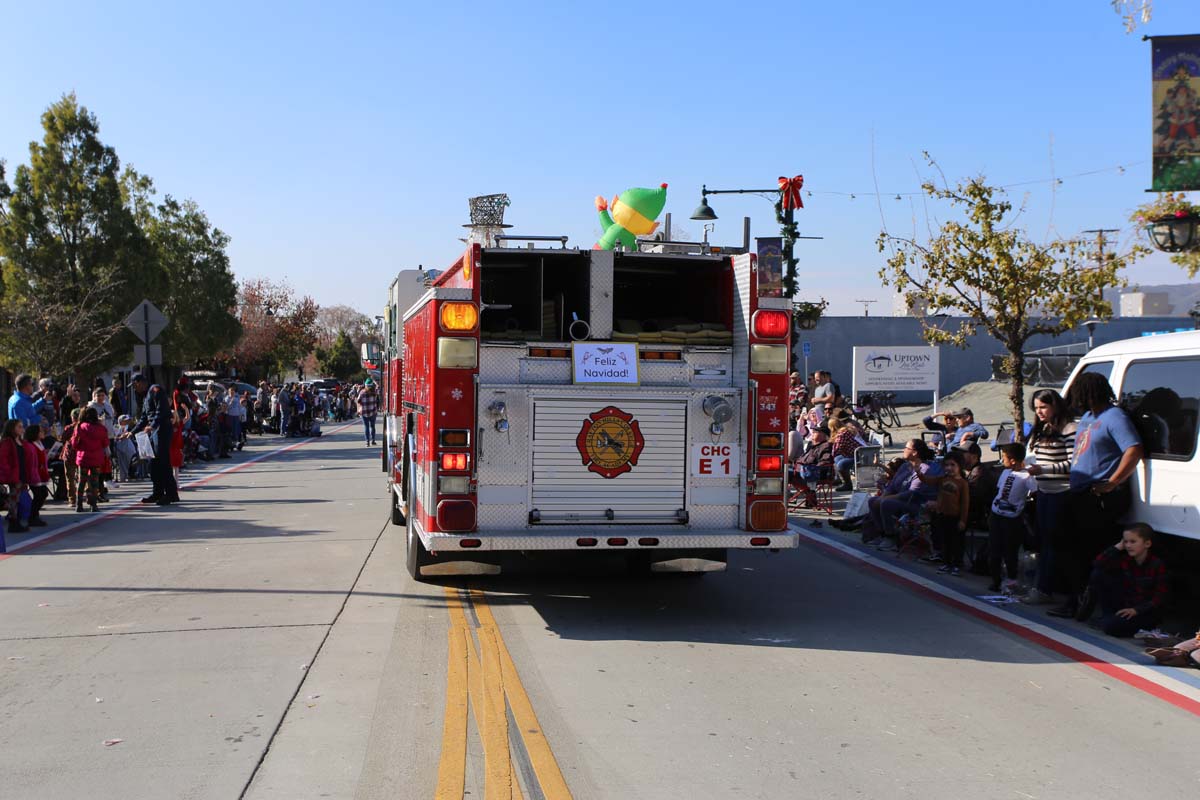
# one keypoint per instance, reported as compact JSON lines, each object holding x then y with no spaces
{"x":1184,"y":654}
{"x":1128,"y":584}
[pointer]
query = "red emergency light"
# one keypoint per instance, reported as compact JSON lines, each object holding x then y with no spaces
{"x":454,"y":462}
{"x":771,"y":324}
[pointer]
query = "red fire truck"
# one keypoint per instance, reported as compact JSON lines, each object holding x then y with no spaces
{"x":561,"y":399}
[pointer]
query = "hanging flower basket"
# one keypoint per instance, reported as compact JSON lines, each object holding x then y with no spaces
{"x":1172,"y":222}
{"x":806,"y":315}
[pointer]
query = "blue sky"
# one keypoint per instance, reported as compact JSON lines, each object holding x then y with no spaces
{"x":338,"y":143}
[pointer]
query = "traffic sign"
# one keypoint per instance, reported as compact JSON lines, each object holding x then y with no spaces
{"x":806,"y":348}
{"x":146,"y":321}
{"x":153,"y":359}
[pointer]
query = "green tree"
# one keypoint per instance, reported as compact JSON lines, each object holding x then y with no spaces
{"x":987,"y":271}
{"x":200,"y":294}
{"x":68,"y":231}
{"x":341,"y":360}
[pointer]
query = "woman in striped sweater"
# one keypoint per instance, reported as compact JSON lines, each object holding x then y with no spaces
{"x":1051,"y":446}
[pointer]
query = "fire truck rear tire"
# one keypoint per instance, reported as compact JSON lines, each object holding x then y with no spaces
{"x":397,"y":513}
{"x":418,"y":556}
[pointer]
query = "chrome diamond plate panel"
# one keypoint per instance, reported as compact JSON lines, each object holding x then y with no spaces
{"x":741,"y":318}
{"x":503,"y":456}
{"x":602,"y":294}
{"x":499,"y":363}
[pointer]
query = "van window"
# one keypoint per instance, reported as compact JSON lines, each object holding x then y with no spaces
{"x":1163,"y":398}
{"x":1100,"y":368}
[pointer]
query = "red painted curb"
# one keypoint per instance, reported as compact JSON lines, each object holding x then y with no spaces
{"x":1112,"y":670}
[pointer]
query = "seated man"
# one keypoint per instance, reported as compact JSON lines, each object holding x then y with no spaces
{"x":1128,"y":584}
{"x":968,"y":429}
{"x":815,"y":465}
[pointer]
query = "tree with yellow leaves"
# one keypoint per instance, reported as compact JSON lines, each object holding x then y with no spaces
{"x":988,"y":274}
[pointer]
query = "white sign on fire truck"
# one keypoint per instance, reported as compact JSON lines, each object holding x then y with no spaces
{"x":604,"y":362}
{"x":715,"y":460}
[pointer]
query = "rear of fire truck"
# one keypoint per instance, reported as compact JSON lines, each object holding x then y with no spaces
{"x":558,"y":399}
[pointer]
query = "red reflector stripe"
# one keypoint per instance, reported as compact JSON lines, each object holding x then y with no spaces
{"x":587,"y":541}
{"x":618,"y":542}
{"x":648,"y":541}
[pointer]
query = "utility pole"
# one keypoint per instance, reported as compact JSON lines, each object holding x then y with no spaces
{"x":866,"y":304}
{"x":1101,"y":241}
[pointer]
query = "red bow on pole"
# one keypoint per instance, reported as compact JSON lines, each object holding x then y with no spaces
{"x":789,"y":191}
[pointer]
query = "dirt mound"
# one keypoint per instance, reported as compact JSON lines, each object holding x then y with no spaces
{"x":988,"y":399}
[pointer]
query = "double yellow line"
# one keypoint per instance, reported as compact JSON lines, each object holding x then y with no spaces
{"x":486,"y":680}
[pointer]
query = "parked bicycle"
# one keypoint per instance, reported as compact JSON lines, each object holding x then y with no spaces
{"x":876,"y":411}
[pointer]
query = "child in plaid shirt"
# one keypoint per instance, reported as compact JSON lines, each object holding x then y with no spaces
{"x":1128,"y":584}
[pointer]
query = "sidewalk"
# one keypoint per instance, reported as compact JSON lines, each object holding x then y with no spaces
{"x":62,"y":518}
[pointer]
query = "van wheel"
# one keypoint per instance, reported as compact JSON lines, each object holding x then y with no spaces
{"x":418,"y":556}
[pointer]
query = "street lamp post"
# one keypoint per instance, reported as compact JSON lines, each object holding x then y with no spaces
{"x":788,"y":194}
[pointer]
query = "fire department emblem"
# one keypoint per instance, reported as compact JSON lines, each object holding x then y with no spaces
{"x":610,"y":442}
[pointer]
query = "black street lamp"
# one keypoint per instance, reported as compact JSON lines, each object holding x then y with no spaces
{"x":788,"y":200}
{"x":1175,"y":234}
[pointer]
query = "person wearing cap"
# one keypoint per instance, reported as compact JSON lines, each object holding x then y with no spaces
{"x":968,"y":429}
{"x":368,"y":407}
{"x":815,"y":465}
{"x":156,"y":420}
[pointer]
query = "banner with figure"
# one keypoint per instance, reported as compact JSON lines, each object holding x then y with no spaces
{"x":1175,"y":65}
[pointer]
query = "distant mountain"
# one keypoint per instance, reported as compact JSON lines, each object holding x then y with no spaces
{"x":1183,"y":296}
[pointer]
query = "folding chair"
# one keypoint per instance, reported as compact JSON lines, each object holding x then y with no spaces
{"x":917,"y":535}
{"x":868,"y":460}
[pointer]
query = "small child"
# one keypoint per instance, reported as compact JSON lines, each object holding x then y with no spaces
{"x":1006,"y":529}
{"x":950,"y":511}
{"x":1128,"y":584}
{"x":123,"y":447}
{"x":39,"y":473}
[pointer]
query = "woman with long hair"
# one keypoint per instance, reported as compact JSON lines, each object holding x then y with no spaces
{"x":91,"y":453}
{"x":1107,"y":450}
{"x":38,"y":468}
{"x":1051,"y":445}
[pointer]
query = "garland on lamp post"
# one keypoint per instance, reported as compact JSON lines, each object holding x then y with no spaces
{"x":785,"y":207}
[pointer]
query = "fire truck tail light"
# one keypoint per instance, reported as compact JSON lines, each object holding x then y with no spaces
{"x":454,"y":484}
{"x":767,"y":515}
{"x":771,"y":324}
{"x":648,"y":541}
{"x":586,"y":541}
{"x":459,"y":316}
{"x":469,"y":543}
{"x":457,"y":353}
{"x":454,"y":462}
{"x":770,"y":463}
{"x":760,"y":541}
{"x":769,"y":358}
{"x":768,"y":486}
{"x":449,"y":438}
{"x":456,"y":515}
{"x":618,"y":541}
{"x":770,"y":441}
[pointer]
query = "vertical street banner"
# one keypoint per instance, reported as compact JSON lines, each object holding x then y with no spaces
{"x":1175,"y":65}
{"x":770,"y":266}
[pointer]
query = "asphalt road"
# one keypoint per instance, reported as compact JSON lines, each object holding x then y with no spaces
{"x":262,"y":640}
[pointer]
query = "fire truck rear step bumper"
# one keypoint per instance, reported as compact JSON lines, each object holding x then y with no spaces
{"x":608,"y":538}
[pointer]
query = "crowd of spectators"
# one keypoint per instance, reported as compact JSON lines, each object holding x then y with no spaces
{"x":67,"y":444}
{"x":1061,"y":495}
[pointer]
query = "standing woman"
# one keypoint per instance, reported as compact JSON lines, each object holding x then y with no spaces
{"x":13,"y":469}
{"x":91,"y":454}
{"x":1052,"y":444}
{"x":38,"y":468}
{"x":1107,"y":450}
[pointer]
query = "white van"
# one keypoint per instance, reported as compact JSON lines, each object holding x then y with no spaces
{"x":1157,"y":380}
